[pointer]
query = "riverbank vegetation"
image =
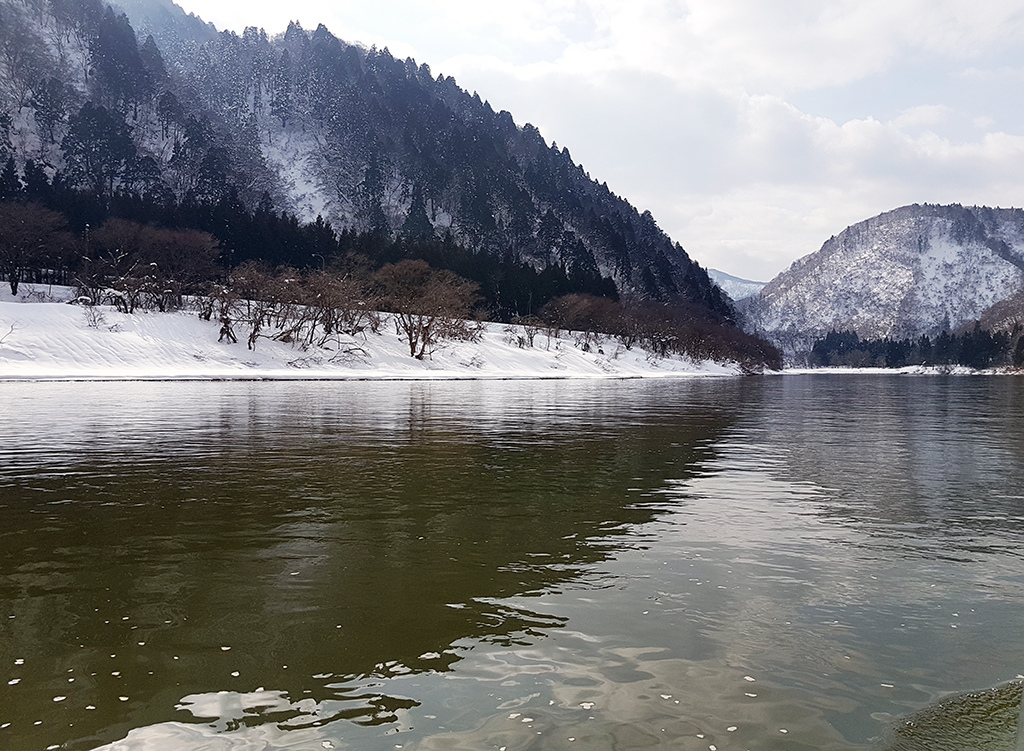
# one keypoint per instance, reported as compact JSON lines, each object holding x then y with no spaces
{"x":264,"y":274}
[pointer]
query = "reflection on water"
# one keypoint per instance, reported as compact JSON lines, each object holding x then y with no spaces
{"x":919,"y":464}
{"x":780,"y":563}
{"x":167,"y":540}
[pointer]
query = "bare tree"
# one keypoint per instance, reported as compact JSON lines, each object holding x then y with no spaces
{"x":137,"y":265}
{"x":31,"y":237}
{"x":429,"y":305}
{"x":333,"y":305}
{"x":182,"y":262}
{"x":587,"y":315}
{"x":252,"y":282}
{"x":523,"y":331}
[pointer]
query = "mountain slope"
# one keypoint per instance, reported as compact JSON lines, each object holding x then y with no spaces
{"x":309,"y":124}
{"x":734,"y":286}
{"x":378,"y":144}
{"x":917,"y":270}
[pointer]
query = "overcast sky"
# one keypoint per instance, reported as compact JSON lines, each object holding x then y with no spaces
{"x":752,"y":129}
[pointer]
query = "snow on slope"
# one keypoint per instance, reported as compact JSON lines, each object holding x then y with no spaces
{"x":912,"y":271}
{"x":734,"y":286}
{"x":292,"y":152}
{"x":55,"y":340}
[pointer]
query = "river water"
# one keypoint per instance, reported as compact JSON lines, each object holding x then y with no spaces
{"x":781,"y":563}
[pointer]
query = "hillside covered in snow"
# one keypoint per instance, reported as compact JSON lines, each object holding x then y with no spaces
{"x":917,"y":270}
{"x":734,"y":286}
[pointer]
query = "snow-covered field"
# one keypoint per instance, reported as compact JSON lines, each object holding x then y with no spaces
{"x":42,"y":337}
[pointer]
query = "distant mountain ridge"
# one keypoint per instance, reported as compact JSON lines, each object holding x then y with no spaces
{"x":307,"y":123}
{"x":734,"y":286}
{"x":176,"y":32}
{"x":917,"y":270}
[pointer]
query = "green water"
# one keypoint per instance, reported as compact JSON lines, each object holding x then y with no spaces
{"x":778,"y":563}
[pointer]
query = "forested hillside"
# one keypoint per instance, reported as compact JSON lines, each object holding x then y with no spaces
{"x":310,"y":125}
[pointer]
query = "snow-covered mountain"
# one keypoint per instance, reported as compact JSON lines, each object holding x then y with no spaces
{"x":313,"y":125}
{"x":734,"y":286}
{"x":917,"y":270}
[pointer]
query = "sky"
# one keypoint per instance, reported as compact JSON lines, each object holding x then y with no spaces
{"x":753,"y":130}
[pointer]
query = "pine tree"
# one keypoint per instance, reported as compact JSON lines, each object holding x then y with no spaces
{"x":122,"y":75}
{"x":417,"y":226}
{"x":97,"y":149}
{"x":282,"y":100}
{"x":10,"y":184}
{"x":50,"y":100}
{"x":37,"y":184}
{"x":169,"y":112}
{"x":153,"y":62}
{"x":6,"y":149}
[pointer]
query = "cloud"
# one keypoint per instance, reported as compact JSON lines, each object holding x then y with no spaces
{"x":923,"y":116}
{"x":763,"y":47}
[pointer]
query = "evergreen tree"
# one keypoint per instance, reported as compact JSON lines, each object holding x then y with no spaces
{"x":282,"y":101}
{"x":123,"y":78}
{"x":371,"y":195}
{"x":37,"y":184}
{"x":10,"y":184}
{"x":169,"y":112}
{"x":97,"y":149}
{"x":153,"y":62}
{"x":417,"y":224}
{"x":50,"y":100}
{"x":212,"y":183}
{"x":6,"y":149}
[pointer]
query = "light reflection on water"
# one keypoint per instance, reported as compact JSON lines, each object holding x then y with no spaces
{"x":780,"y":563}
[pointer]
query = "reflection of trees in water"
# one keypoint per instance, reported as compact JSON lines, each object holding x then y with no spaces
{"x":907,"y":458}
{"x":345,"y":531}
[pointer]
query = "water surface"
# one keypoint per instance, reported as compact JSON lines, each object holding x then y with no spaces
{"x":779,"y":563}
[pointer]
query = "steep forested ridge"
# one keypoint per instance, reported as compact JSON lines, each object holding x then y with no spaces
{"x":308,"y":124}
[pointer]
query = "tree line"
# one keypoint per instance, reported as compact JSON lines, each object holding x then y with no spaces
{"x":660,"y":328}
{"x":975,"y":348}
{"x":508,"y":288}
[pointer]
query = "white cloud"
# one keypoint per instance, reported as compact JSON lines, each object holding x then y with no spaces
{"x":923,"y":116}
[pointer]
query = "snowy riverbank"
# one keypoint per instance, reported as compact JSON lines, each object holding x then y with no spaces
{"x":42,"y":337}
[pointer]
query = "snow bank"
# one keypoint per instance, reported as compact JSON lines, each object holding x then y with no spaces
{"x":923,"y":370}
{"x":43,"y":337}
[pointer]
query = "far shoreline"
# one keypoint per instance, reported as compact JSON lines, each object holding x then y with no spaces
{"x":925,"y":372}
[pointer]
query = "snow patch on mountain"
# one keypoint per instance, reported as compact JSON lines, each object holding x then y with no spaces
{"x":292,"y":153}
{"x":917,"y":270}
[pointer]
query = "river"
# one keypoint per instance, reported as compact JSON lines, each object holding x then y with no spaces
{"x":777,"y":563}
